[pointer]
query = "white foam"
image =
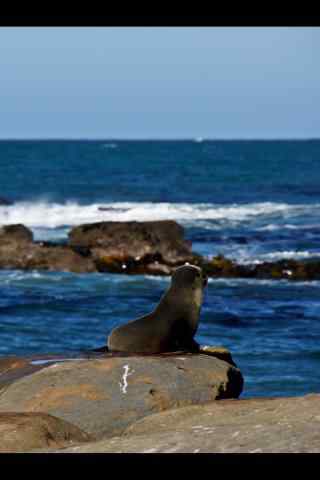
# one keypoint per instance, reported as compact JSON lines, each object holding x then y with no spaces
{"x":271,"y":227}
{"x":110,"y":145}
{"x":254,"y":258}
{"x":288,"y":255}
{"x":54,"y":215}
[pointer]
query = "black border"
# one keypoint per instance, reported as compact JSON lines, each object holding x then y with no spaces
{"x":131,"y":16}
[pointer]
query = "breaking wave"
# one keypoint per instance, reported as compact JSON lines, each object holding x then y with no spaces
{"x":55,"y":215}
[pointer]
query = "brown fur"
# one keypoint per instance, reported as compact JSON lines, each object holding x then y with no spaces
{"x":173,"y":323}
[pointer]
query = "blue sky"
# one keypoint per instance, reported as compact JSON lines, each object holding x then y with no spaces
{"x":159,"y":82}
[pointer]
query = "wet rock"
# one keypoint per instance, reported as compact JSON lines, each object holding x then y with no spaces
{"x":34,"y":256}
{"x":104,"y":395}
{"x":257,"y":425}
{"x":147,"y":265}
{"x":289,"y":269}
{"x":218,"y":352}
{"x":15,"y":234}
{"x":137,"y":242}
{"x":222,"y":267}
{"x":20,"y":432}
{"x":154,"y":248}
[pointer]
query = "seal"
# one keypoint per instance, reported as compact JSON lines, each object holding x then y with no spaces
{"x":172,"y":325}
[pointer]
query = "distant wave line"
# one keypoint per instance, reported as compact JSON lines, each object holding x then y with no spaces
{"x":55,"y":215}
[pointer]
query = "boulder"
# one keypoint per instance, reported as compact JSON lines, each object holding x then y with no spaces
{"x":15,"y":234}
{"x":20,"y":432}
{"x":122,"y":242}
{"x":18,"y":251}
{"x":104,"y":395}
{"x":256,"y":425}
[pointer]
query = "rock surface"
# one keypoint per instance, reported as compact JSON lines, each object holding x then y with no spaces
{"x":134,"y":244}
{"x":154,"y":248}
{"x":20,"y":432}
{"x":103,"y":396}
{"x":261,"y":425}
{"x":17,"y":250}
{"x":147,"y":404}
{"x":288,"y":269}
{"x":17,"y":233}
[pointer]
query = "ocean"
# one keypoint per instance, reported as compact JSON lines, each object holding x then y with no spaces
{"x":251,"y":201}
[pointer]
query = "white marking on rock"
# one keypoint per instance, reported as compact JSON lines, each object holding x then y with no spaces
{"x":55,"y":360}
{"x":150,"y":450}
{"x":124,"y":384}
{"x":171,"y":450}
{"x":235,"y":434}
{"x":197,"y":450}
{"x":257,"y":450}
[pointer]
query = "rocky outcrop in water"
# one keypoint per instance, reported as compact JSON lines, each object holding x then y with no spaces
{"x":137,"y":247}
{"x":19,"y":251}
{"x":220,"y":266}
{"x":154,"y":248}
{"x":10,"y":234}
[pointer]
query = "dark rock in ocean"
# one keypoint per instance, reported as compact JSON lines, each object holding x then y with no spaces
{"x":21,"y":432}
{"x":135,"y":243}
{"x":15,"y":233}
{"x":17,"y":251}
{"x":154,"y":248}
{"x":289,"y":269}
{"x":58,"y":258}
{"x":5,"y":202}
{"x":104,"y":395}
{"x":221,"y":266}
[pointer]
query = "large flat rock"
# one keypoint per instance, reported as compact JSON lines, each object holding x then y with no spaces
{"x":103,"y":396}
{"x":261,"y":425}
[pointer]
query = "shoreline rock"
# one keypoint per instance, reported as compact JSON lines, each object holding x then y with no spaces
{"x":255,"y":425}
{"x":169,"y":403}
{"x":20,"y":432}
{"x":104,"y":395}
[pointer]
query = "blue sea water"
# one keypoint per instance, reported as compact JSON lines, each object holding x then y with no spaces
{"x":250,"y":200}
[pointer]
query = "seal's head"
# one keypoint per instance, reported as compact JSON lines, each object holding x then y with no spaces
{"x":189,"y":276}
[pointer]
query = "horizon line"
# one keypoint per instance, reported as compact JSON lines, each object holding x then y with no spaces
{"x":159,"y":139}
